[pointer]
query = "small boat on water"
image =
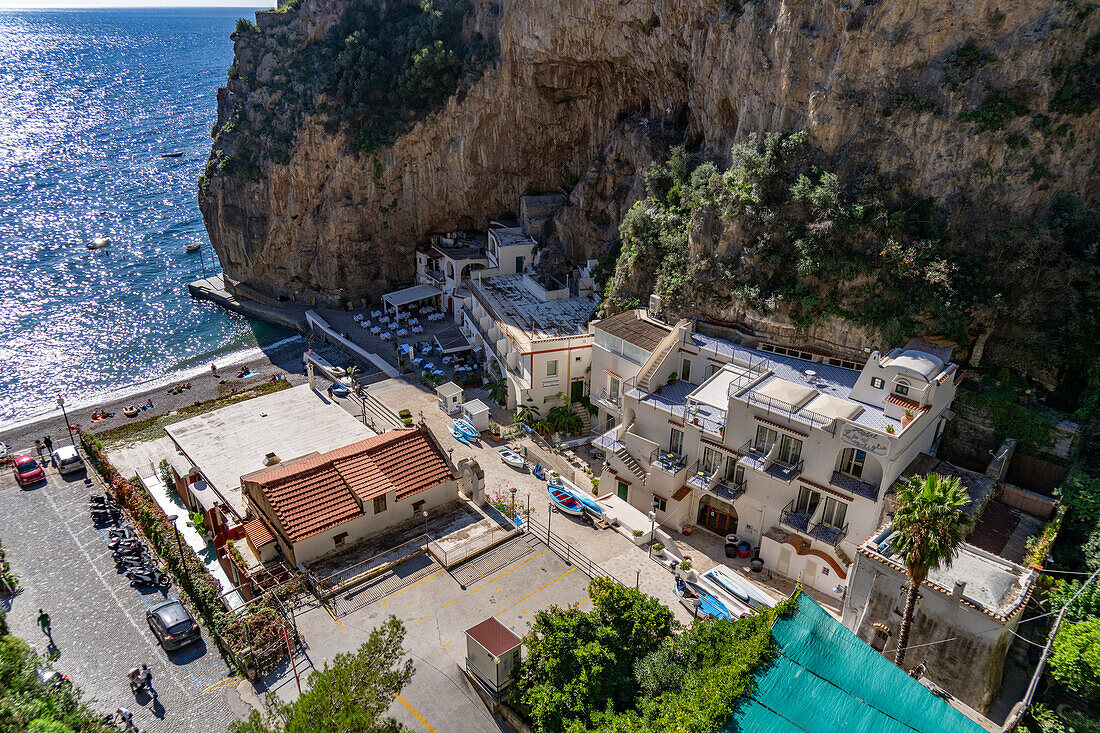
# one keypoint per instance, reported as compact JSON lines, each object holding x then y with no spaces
{"x":170,"y":155}
{"x":564,"y":501}
{"x":744,"y":591}
{"x":590,"y":504}
{"x":191,"y":247}
{"x":466,"y":429}
{"x":98,"y":243}
{"x":457,"y":435}
{"x":700,"y":600}
{"x":513,"y":459}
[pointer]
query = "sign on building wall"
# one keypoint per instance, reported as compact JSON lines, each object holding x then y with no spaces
{"x":865,"y":440}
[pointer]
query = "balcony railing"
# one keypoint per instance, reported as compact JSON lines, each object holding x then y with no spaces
{"x":854,"y":486}
{"x":755,"y":459}
{"x":794,"y":519}
{"x":605,"y":399}
{"x":828,"y":533}
{"x":667,"y":461}
{"x":436,"y":277}
{"x":727,"y":490}
{"x":773,"y":406}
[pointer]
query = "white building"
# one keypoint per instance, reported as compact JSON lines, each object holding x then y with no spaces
{"x":792,"y":451}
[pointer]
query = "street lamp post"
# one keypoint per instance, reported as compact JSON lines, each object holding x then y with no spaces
{"x":425,"y":514}
{"x":61,"y":404}
{"x":179,"y":544}
{"x":549,"y":513}
{"x":514,"y":517}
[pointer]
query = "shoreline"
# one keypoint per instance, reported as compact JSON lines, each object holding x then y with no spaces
{"x":283,"y":357}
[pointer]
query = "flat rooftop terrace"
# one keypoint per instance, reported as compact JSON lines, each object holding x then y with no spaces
{"x":228,"y":443}
{"x":515,"y":306}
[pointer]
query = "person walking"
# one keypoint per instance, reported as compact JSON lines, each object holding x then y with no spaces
{"x":49,"y":447}
{"x":38,"y":447}
{"x":145,"y":679}
{"x":125,"y":717}
{"x":44,"y":622}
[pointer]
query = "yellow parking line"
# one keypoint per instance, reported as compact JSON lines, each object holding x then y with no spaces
{"x":475,"y":589}
{"x":421,"y":619}
{"x":517,"y":567}
{"x":222,"y":683}
{"x":555,"y":580}
{"x":410,"y":587}
{"x":447,"y":644}
{"x":499,"y":612}
{"x":330,"y":613}
{"x":523,"y":611}
{"x":450,"y":604}
{"x":583,"y":600}
{"x":416,"y":715}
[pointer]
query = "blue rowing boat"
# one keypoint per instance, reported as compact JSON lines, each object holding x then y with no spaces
{"x":457,"y":435}
{"x":564,"y":501}
{"x":586,"y":501}
{"x":466,"y":429}
{"x":709,"y":606}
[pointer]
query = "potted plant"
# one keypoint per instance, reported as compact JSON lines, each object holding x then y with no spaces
{"x":596,"y":486}
{"x":890,"y":429}
{"x":685,"y":565}
{"x":906,"y":418}
{"x":672,"y":378}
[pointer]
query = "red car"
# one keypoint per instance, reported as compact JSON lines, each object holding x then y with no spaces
{"x":27,"y":470}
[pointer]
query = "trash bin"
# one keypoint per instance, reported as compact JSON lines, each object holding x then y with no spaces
{"x":757,"y":564}
{"x":744,"y":549}
{"x":731,"y":550}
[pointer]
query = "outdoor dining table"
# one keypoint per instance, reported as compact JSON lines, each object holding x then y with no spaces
{"x":376,"y":329}
{"x":386,"y":336}
{"x":357,"y":317}
{"x":418,"y":329}
{"x":375,"y":314}
{"x":364,"y":324}
{"x":414,"y":321}
{"x":402,"y":332}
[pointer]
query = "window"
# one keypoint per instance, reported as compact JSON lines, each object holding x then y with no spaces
{"x":902,"y":388}
{"x":711,"y":369}
{"x":765,"y":439}
{"x":735,"y":472}
{"x":676,"y":442}
{"x":790,"y":450}
{"x":808,"y":499}
{"x":613,"y":387}
{"x":685,"y":370}
{"x":622,"y":488}
{"x":834,"y":513}
{"x":712,"y":461}
{"x":519,"y":265}
{"x":339,"y":539}
{"x":417,"y":506}
{"x":450,"y":271}
{"x":878,"y":643}
{"x":552,"y":368}
{"x":661,"y":502}
{"x":851,"y":462}
{"x":379,"y":504}
{"x":877,"y":382}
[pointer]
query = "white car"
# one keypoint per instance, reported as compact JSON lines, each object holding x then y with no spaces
{"x":67,"y":459}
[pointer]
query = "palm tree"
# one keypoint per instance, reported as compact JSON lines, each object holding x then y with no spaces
{"x":528,"y":415}
{"x":932,"y":526}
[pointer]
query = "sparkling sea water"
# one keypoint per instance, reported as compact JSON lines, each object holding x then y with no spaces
{"x":89,"y":100}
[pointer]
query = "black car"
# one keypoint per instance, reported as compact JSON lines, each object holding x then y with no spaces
{"x":172,"y":624}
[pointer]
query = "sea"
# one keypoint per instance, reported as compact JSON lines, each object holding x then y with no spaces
{"x":90,"y":100}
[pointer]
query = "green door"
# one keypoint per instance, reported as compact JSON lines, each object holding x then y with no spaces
{"x":622,"y":489}
{"x":576,"y":390}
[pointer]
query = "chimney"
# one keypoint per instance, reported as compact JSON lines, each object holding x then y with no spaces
{"x":271,"y":459}
{"x":957,"y":591}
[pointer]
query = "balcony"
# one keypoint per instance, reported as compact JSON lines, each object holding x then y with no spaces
{"x":667,"y":461}
{"x":854,"y":486}
{"x":795,"y":520}
{"x":726,"y":490}
{"x":432,"y":277}
{"x":756,"y":460}
{"x":608,"y":402}
{"x":828,"y":533}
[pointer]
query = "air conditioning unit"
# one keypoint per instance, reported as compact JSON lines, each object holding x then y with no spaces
{"x":654,"y":306}
{"x":271,"y":459}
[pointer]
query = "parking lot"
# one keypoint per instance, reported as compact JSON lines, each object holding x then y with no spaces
{"x":513,"y":582}
{"x":98,"y":620}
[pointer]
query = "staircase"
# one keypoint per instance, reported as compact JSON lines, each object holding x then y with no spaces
{"x":668,"y":343}
{"x":631,"y":463}
{"x":582,"y":412}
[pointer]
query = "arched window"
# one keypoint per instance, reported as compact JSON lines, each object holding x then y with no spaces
{"x":901,"y":387}
{"x":450,"y":271}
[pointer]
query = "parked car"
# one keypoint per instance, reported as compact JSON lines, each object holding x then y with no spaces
{"x":67,"y":459}
{"x":172,"y":624}
{"x":27,"y":471}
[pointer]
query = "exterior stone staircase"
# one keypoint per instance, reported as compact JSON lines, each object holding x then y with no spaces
{"x":580,"y":411}
{"x":631,"y":463}
{"x":668,"y":343}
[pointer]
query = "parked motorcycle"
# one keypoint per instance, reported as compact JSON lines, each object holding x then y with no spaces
{"x":101,"y":515}
{"x":122,"y":533}
{"x":123,"y":544}
{"x":148,"y":578}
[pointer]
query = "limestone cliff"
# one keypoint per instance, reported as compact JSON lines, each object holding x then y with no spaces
{"x":581,"y":86}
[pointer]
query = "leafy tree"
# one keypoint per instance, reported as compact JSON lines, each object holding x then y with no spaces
{"x":1085,"y":606}
{"x":528,"y":415}
{"x":351,"y":696}
{"x":28,"y":704}
{"x":932,"y":526}
{"x":1075,"y":659}
{"x":579,"y":663}
{"x":1079,"y":537}
{"x":1041,"y":719}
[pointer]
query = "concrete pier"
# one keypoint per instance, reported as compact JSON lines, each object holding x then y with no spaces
{"x":291,"y":317}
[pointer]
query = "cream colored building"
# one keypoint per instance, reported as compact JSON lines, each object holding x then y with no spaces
{"x":790,"y":451}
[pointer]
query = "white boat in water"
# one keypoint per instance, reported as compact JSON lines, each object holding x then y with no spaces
{"x":192,"y":247}
{"x":98,"y":243}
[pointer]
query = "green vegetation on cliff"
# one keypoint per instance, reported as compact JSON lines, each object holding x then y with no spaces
{"x":779,"y":231}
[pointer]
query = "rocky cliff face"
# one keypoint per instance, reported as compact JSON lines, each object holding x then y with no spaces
{"x":583,"y":91}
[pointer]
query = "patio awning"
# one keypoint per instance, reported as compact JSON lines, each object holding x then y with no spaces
{"x":414,"y":294}
{"x":452,"y":341}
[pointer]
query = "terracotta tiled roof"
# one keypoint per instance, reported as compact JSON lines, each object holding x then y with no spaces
{"x":258,"y":533}
{"x":682,"y":492}
{"x":320,"y":491}
{"x":905,"y":402}
{"x":494,"y":637}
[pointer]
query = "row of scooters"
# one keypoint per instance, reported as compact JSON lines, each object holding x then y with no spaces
{"x":126,"y":547}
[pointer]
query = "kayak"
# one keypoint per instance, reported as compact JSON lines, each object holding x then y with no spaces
{"x":457,"y":435}
{"x":740,"y":589}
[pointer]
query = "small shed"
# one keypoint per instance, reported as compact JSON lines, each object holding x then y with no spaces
{"x":477,"y":413}
{"x":450,"y":397}
{"x":491,"y":652}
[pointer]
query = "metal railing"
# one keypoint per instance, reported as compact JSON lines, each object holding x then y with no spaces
{"x":778,"y":407}
{"x":667,"y":461}
{"x":723,"y":489}
{"x":605,"y":398}
{"x":794,"y":519}
{"x":714,"y":427}
{"x":854,"y":485}
{"x":754,"y":458}
{"x":474,"y":546}
{"x":828,"y":533}
{"x":363,"y":570}
{"x":567,"y":552}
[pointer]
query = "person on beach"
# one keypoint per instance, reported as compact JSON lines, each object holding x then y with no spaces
{"x":38,"y":447}
{"x":213,"y":369}
{"x":49,"y":446}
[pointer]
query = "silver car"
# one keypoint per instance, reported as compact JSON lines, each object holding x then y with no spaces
{"x":67,"y":459}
